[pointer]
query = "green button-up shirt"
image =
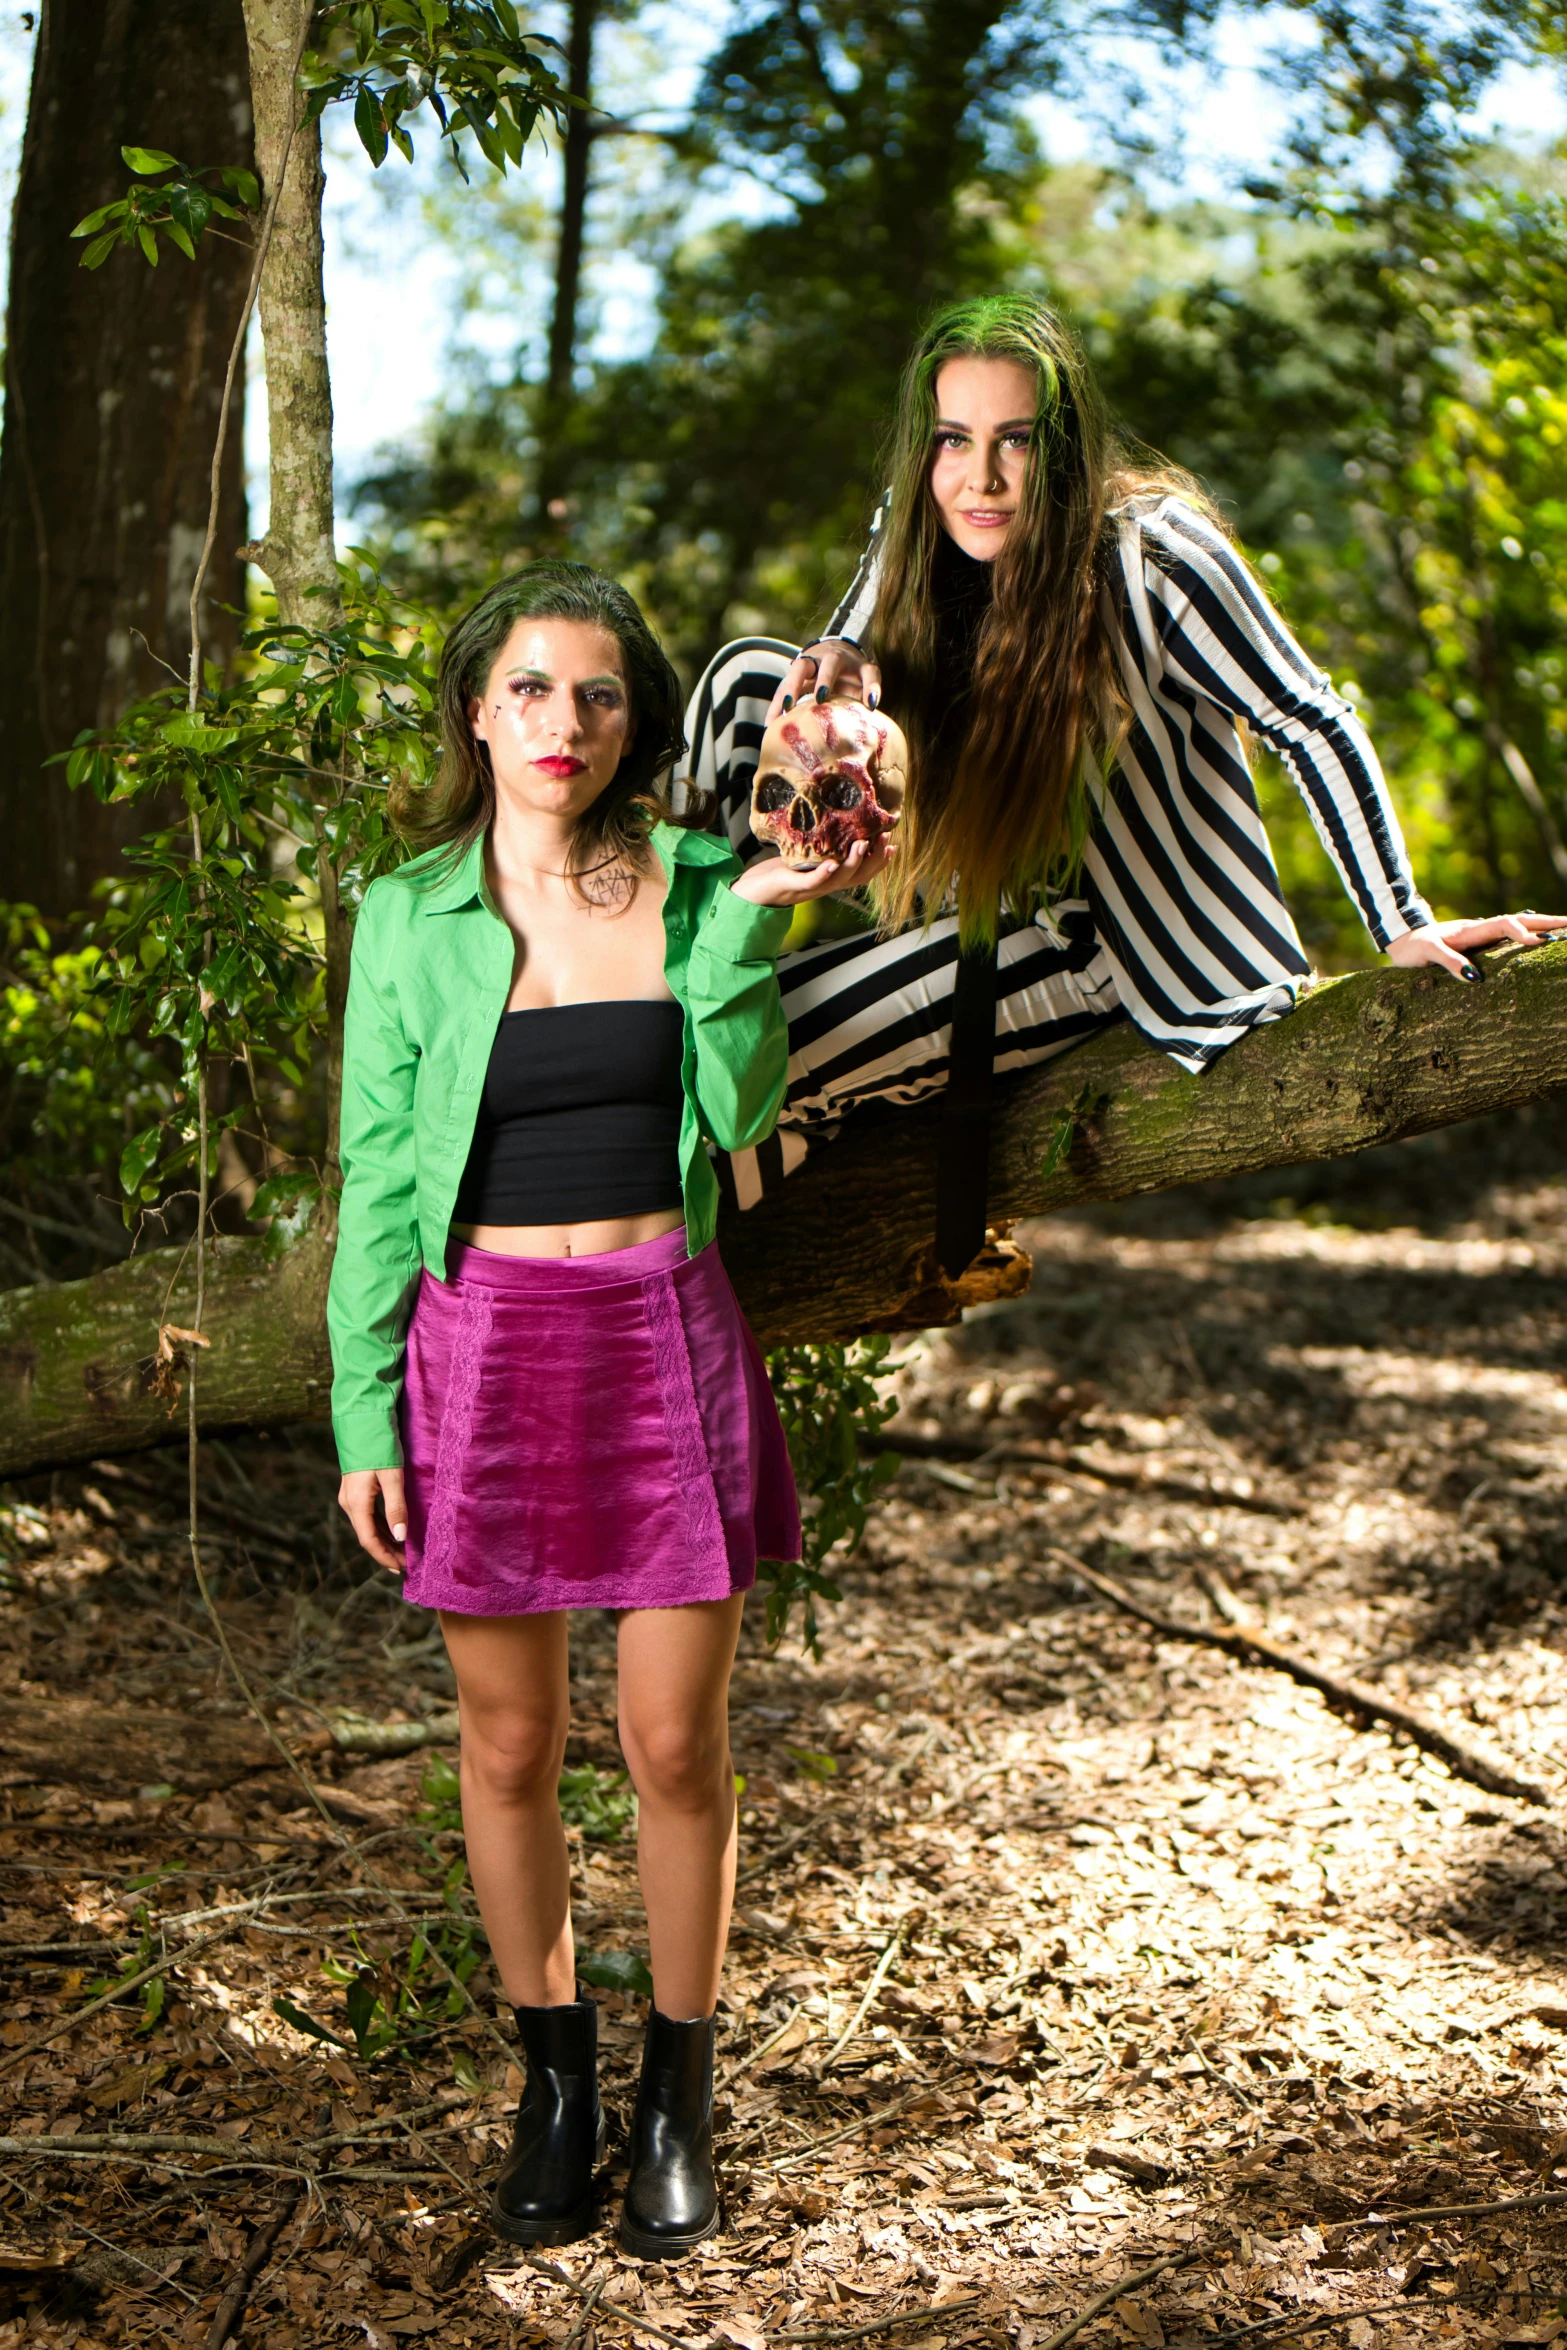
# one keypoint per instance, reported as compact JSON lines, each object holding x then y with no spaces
{"x":432,"y":969}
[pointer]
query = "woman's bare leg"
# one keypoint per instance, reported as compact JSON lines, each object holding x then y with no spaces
{"x":675,"y":1664}
{"x":514,"y":1701}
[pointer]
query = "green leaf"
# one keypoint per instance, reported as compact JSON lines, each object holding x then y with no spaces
{"x":243,"y":183}
{"x":148,"y":161}
{"x":148,"y":243}
{"x":1058,"y":1148}
{"x":615,"y":1970}
{"x":181,"y":237}
{"x":152,"y":2000}
{"x":370,"y":123}
{"x":191,"y":207}
{"x":194,"y":734}
{"x":94,"y":220}
{"x":98,"y":252}
{"x":361,"y":2003}
{"x":138,"y":1156}
{"x":290,"y":2014}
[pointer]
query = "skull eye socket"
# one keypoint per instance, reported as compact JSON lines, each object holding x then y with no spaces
{"x":839,"y":792}
{"x":773,"y":794}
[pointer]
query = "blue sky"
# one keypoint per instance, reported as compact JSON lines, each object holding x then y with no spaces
{"x":393,"y":281}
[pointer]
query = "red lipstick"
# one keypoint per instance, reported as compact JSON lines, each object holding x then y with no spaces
{"x":561,"y":765}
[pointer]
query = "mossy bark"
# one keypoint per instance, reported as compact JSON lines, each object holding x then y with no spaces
{"x":846,"y":1246}
{"x":298,"y":554}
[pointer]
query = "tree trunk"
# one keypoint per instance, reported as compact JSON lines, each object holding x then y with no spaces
{"x":576,"y":152}
{"x":298,"y":553}
{"x":112,"y":383}
{"x":577,"y":147}
{"x":1365,"y":1060}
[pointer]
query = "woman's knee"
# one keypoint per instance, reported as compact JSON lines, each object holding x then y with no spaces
{"x":681,"y":1763}
{"x":512,"y":1756}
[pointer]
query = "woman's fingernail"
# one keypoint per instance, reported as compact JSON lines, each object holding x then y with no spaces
{"x":872,"y":699}
{"x":788,"y":701}
{"x":821,"y":693}
{"x":1468,"y":971}
{"x":399,"y":1533}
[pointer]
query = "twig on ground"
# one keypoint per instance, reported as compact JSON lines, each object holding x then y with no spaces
{"x":864,"y":2121}
{"x":872,"y":1987}
{"x":1136,"y":2166}
{"x":1394,"y":2218}
{"x":781,"y":1851}
{"x":1252,"y":1644}
{"x":1221,"y":2080}
{"x":259,"y":2253}
{"x":772,"y":2040}
{"x":1076,"y":1465}
{"x":1128,"y":2284}
{"x":882,"y":2325}
{"x":120,"y":2251}
{"x":80,"y":2015}
{"x":1299,"y":2322}
{"x":584,"y":2315}
{"x":627,"y":2317}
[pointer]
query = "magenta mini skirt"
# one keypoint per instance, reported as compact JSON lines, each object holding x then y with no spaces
{"x":588,"y":1432}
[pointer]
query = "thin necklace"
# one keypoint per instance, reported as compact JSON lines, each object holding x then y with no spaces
{"x":580,"y":873}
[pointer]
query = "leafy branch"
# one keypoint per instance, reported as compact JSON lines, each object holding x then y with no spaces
{"x":180,"y":208}
{"x":469,"y":61}
{"x":831,"y":1408}
{"x":221,"y":950}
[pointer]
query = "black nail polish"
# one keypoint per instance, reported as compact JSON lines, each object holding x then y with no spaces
{"x":872,"y":699}
{"x":821,"y":693}
{"x":1469,"y":972}
{"x":788,"y":701}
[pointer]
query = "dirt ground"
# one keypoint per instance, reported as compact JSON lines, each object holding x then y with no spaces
{"x":1064,"y":1949}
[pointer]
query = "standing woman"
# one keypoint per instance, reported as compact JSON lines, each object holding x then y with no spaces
{"x":1077,"y":653}
{"x":545,"y":1396}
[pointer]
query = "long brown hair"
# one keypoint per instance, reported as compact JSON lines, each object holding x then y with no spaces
{"x":459,"y":805}
{"x":1004,"y":809}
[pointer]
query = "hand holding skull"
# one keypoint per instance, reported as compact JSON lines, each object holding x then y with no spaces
{"x":829,"y":777}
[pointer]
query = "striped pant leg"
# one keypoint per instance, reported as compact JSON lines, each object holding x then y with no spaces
{"x":725,"y":721}
{"x":870,"y":1020}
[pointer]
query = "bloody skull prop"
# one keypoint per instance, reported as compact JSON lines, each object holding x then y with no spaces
{"x":829,"y":774}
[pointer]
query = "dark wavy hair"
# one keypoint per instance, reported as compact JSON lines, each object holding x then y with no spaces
{"x":1003,"y":808}
{"x":460,"y":803}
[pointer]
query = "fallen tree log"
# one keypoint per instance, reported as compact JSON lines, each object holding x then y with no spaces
{"x":846,"y":1246}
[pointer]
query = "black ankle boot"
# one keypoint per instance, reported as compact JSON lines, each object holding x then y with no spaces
{"x":672,"y":2195}
{"x":544,"y":2194}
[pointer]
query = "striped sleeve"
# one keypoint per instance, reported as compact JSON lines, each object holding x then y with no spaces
{"x":857,"y":608}
{"x":1219,"y":639}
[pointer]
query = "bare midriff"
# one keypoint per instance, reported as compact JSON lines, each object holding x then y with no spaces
{"x":570,"y":1240}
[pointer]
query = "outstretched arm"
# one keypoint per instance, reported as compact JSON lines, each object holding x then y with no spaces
{"x":1222,"y":639}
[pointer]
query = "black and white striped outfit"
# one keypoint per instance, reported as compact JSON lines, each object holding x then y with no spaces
{"x":1181,"y":923}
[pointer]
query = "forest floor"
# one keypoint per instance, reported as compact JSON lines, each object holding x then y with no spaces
{"x":1064,"y":1949}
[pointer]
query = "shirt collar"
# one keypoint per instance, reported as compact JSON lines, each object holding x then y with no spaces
{"x":460,"y":884}
{"x":677,"y":844}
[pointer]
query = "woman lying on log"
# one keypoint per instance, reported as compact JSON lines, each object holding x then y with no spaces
{"x":549,"y":1010}
{"x":1075,"y":650}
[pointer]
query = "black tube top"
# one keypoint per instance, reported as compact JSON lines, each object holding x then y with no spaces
{"x":580,"y":1116}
